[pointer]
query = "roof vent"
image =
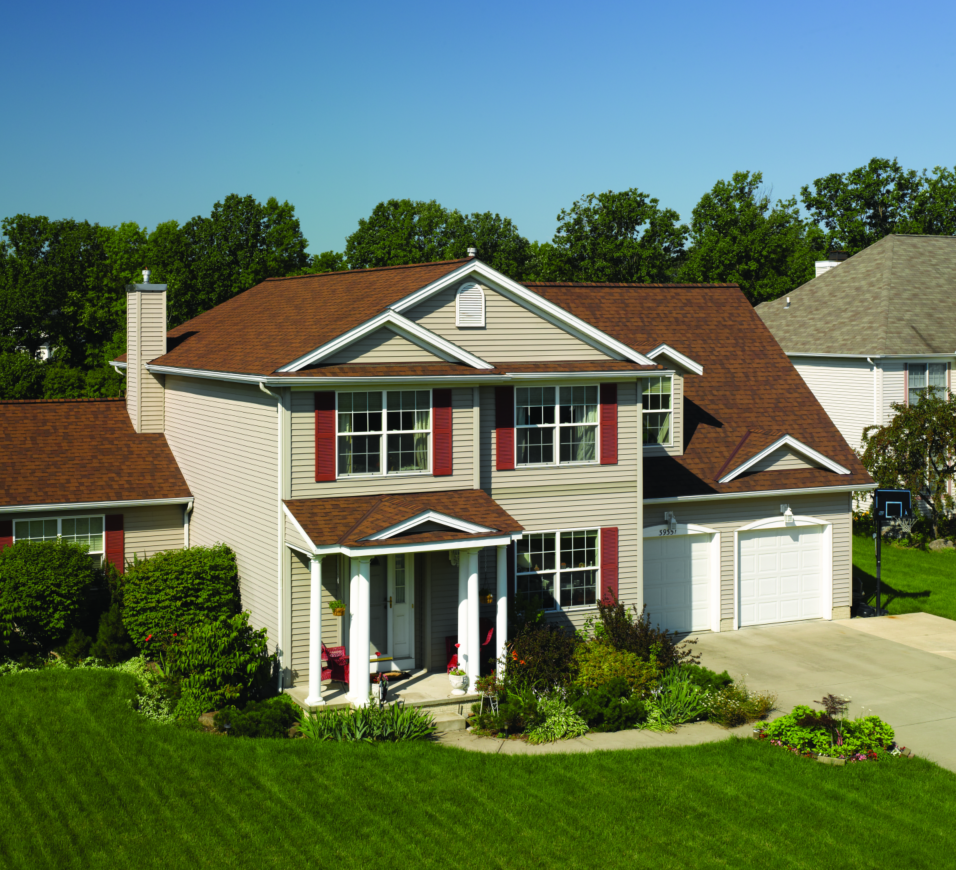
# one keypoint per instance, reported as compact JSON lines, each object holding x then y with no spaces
{"x":145,"y":276}
{"x":472,"y":251}
{"x":470,"y":305}
{"x":788,"y":303}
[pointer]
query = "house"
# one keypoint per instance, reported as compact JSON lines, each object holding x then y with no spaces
{"x":435,"y":444}
{"x":873,"y":330}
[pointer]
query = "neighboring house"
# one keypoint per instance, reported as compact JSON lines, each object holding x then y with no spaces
{"x":873,"y":330}
{"x":434,"y":443}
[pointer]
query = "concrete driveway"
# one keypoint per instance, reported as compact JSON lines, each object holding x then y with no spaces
{"x":902,"y":668}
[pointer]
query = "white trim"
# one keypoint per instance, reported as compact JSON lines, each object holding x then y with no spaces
{"x":301,"y":531}
{"x":59,"y":530}
{"x":529,"y":299}
{"x":117,"y":364}
{"x":814,"y":490}
{"x":713,"y":555}
{"x":556,"y":428}
{"x":916,"y":356}
{"x":793,"y":444}
{"x":462,"y":544}
{"x":646,"y":410}
{"x":826,"y":557}
{"x":455,"y":523}
{"x":470,"y":285}
{"x":402,"y":326}
{"x":676,"y":356}
{"x":598,"y":592}
{"x":90,"y":505}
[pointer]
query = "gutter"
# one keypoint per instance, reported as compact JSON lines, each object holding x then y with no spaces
{"x":916,"y":355}
{"x":91,"y":505}
{"x":816,"y":490}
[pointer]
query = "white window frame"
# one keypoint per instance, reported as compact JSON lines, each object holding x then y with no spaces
{"x":59,"y":529}
{"x":644,"y":410}
{"x":558,"y":570}
{"x":557,"y":426}
{"x":383,"y":436}
{"x":926,"y":364}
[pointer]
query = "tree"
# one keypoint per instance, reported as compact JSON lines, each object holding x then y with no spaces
{"x":21,"y":376}
{"x":209,"y":260}
{"x":738,"y":236}
{"x":916,"y":450}
{"x":327,"y":261}
{"x":934,"y":206}
{"x":621,"y":236}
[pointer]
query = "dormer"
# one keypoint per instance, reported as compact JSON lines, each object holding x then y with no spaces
{"x":662,"y":402}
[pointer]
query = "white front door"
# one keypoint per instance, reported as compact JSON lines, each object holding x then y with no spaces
{"x":401,"y":596}
{"x":677,"y":582}
{"x":781,"y":575}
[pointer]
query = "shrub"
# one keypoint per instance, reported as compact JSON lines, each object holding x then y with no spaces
{"x":736,"y":705}
{"x":540,"y":656}
{"x":518,"y":711}
{"x":393,"y":722}
{"x":112,"y":644}
{"x":611,"y":707}
{"x":44,"y":587}
{"x":805,"y":730}
{"x":174,"y":591}
{"x":560,"y":721}
{"x":638,"y":636}
{"x":270,"y":718}
{"x":219,"y":663}
{"x":706,"y":679}
{"x":76,"y":647}
{"x":598,"y":663}
{"x":676,"y":701}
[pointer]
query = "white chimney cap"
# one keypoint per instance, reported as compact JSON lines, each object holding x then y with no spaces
{"x":472,"y":252}
{"x":145,"y":276}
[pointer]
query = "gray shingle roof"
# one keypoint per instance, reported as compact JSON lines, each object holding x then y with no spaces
{"x":897,"y":296}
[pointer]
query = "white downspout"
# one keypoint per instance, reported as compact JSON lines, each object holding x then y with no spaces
{"x":281,"y":536}
{"x":186,"y":517}
{"x":876,"y":403}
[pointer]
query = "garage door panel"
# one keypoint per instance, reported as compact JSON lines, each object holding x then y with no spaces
{"x":677,"y":577}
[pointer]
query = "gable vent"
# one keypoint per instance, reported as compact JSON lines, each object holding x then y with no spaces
{"x":470,"y":305}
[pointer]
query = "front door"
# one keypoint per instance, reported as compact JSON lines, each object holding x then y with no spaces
{"x":401,"y":597}
{"x":378,"y":607}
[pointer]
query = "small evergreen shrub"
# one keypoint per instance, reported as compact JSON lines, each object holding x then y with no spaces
{"x":636,"y":635}
{"x":706,"y":679}
{"x":614,"y":706}
{"x":540,"y":656}
{"x":112,"y":644}
{"x":177,"y":590}
{"x":272,"y":717}
{"x":44,"y":586}
{"x":598,"y":663}
{"x":76,"y":648}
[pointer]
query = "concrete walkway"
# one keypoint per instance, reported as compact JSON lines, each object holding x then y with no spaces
{"x":902,"y":668}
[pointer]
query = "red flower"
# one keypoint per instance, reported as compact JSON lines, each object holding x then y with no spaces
{"x":148,"y":637}
{"x":457,"y":645}
{"x":521,"y":662}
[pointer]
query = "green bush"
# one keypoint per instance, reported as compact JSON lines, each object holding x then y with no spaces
{"x":560,"y":721}
{"x":392,"y":723}
{"x":76,"y":648}
{"x":173,"y":591}
{"x":219,"y":663}
{"x":706,"y":679}
{"x":518,"y":711}
{"x":736,"y":705}
{"x":677,"y":700}
{"x":805,"y":730}
{"x":598,"y":663}
{"x":613,"y":706}
{"x":540,"y":656}
{"x":272,"y":717}
{"x":44,"y":586}
{"x":627,"y":630}
{"x":112,"y":644}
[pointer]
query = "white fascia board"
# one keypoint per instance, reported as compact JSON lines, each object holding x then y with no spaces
{"x":577,"y":327}
{"x":913,"y":356}
{"x":676,"y":356}
{"x":404,"y":327}
{"x":92,"y":505}
{"x":775,"y":493}
{"x":299,"y":529}
{"x":117,"y":365}
{"x":793,"y":444}
{"x":384,"y":550}
{"x":459,"y":525}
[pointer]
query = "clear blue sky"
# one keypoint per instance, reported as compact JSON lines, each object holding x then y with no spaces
{"x":115,"y":112}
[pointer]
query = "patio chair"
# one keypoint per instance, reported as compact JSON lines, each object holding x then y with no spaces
{"x":338,"y":661}
{"x":486,"y":628}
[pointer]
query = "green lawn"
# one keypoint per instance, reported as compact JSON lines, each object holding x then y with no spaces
{"x":910,"y":570}
{"x":86,"y":783}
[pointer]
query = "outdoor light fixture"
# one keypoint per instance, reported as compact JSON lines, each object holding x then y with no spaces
{"x":671,"y":520}
{"x":787,"y":514}
{"x":453,"y":557}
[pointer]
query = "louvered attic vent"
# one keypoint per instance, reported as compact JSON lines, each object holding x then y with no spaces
{"x":470,"y":306}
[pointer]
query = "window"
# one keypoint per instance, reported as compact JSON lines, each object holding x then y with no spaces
{"x":399,"y":418}
{"x":557,"y":570}
{"x":400,"y":578}
{"x":656,"y":401}
{"x":81,"y":530}
{"x":556,"y":421}
{"x":923,"y":375}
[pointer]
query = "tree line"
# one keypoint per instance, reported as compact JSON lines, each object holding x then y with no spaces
{"x":62,"y":282}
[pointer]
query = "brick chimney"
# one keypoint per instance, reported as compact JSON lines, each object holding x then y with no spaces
{"x":145,"y":341}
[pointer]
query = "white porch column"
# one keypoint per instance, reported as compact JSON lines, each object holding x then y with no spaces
{"x":501,"y":626}
{"x":315,"y":634}
{"x":462,"y":607}
{"x":473,"y":647}
{"x":360,"y":631}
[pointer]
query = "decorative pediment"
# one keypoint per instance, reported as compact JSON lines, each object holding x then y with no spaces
{"x":429,"y":521}
{"x":685,"y":362}
{"x":774,"y":457}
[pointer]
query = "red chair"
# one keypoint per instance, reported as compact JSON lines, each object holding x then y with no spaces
{"x":338,"y":664}
{"x":484,"y":625}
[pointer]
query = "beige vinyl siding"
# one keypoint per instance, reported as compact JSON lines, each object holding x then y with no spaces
{"x":150,"y":530}
{"x":152,"y":338}
{"x":676,"y":447}
{"x":728,"y":515}
{"x":845,"y":389}
{"x":304,"y":484}
{"x":511,"y":332}
{"x":894,"y":389}
{"x":133,"y":370}
{"x":294,"y":537}
{"x":301,"y":603}
{"x":782,"y":459}
{"x":225,"y":439}
{"x":382,"y":346}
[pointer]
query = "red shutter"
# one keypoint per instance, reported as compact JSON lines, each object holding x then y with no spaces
{"x":325,"y":436}
{"x":609,"y":573}
{"x":441,"y":433}
{"x":505,"y":428}
{"x":6,"y":533}
{"x":115,"y":542}
{"x":608,"y":424}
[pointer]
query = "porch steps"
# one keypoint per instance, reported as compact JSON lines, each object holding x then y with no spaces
{"x":449,"y":722}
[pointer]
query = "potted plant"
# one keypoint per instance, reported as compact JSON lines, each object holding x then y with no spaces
{"x":485,"y":597}
{"x":457,"y":677}
{"x":338,"y":608}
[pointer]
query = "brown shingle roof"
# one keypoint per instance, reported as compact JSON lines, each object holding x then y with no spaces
{"x":748,"y":384}
{"x":75,"y":450}
{"x":447,"y":369}
{"x":346,"y":521}
{"x":283,"y":319}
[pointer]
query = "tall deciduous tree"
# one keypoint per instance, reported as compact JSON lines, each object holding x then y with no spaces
{"x":739,"y":236}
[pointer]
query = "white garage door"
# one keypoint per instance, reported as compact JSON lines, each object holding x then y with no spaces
{"x":781,"y":575}
{"x":677,"y":581}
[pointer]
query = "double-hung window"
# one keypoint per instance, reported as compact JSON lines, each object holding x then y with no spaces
{"x":557,"y":570}
{"x":556,"y":425}
{"x":87,"y":531}
{"x":383,"y":432}
{"x":656,"y":404}
{"x":923,"y":375}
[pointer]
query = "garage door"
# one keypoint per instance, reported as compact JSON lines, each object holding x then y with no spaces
{"x":781,"y":575}
{"x":677,"y":581}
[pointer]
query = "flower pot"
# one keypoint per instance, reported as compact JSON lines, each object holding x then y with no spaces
{"x":489,"y":599}
{"x":457,"y":683}
{"x":339,"y":611}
